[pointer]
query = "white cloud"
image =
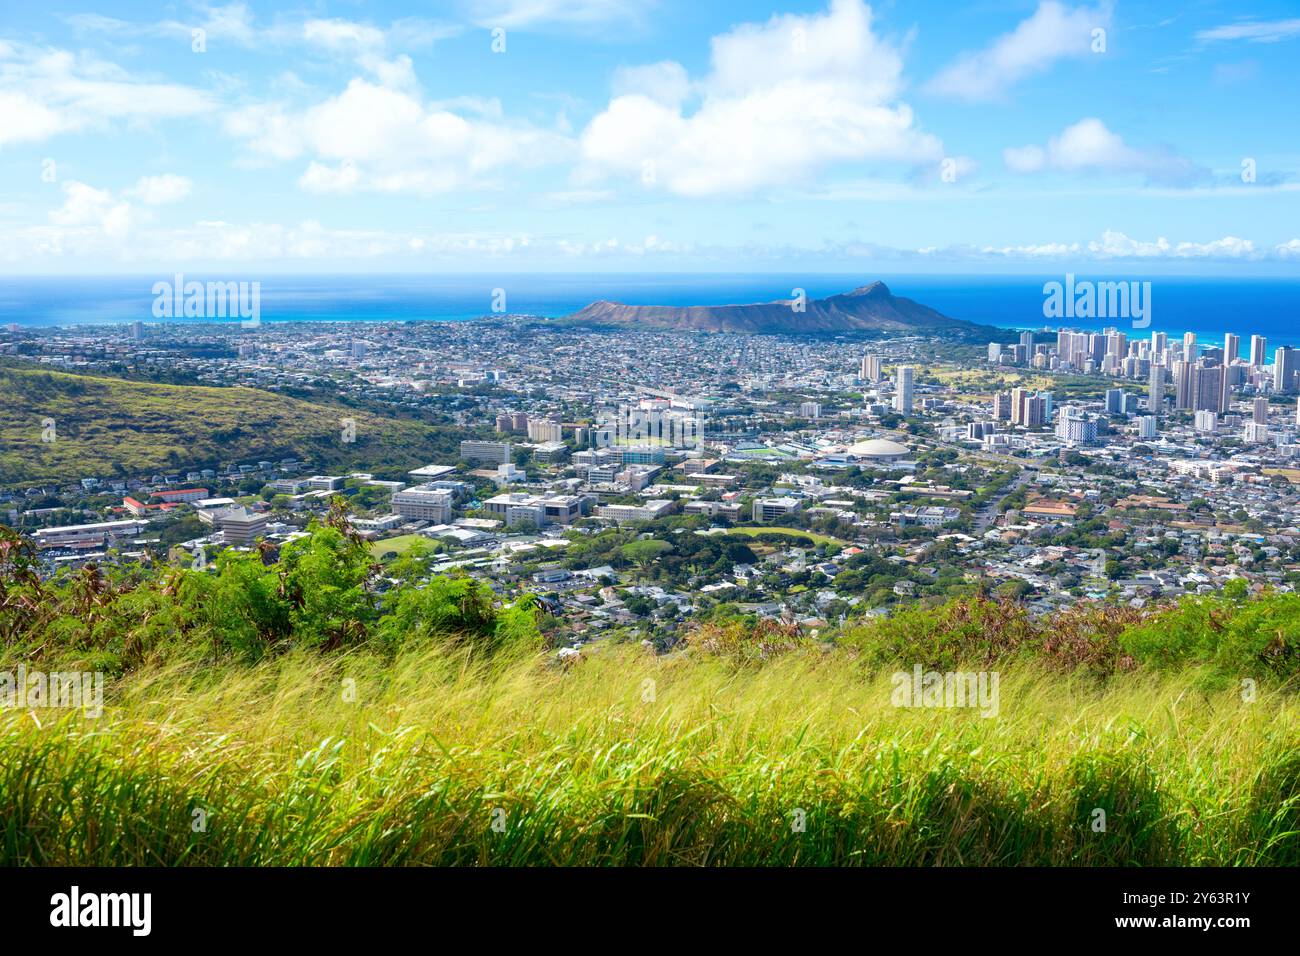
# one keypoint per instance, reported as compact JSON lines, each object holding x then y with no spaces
{"x":1052,"y":33}
{"x":665,"y":82}
{"x":231,"y":24}
{"x":376,"y":138}
{"x":51,"y":91}
{"x":28,"y":120}
{"x":1254,"y":31}
{"x":1288,"y":250}
{"x":782,"y":100}
{"x":532,"y":13}
{"x":157,"y":190}
{"x":363,"y":43}
{"x":91,"y":210}
{"x":1088,"y":146}
{"x":1116,"y":245}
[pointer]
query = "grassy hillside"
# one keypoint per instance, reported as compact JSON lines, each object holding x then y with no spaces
{"x":107,"y":426}
{"x":627,"y":759}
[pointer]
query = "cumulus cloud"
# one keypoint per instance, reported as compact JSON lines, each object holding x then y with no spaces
{"x":1088,"y":146}
{"x":782,"y":100}
{"x":1054,"y":32}
{"x":377,"y":138}
{"x":90,"y":210}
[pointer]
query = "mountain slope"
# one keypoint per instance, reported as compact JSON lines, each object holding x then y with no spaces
{"x":108,"y":426}
{"x":870,"y":307}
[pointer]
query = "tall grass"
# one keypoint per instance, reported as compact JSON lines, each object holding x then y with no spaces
{"x":627,"y":758}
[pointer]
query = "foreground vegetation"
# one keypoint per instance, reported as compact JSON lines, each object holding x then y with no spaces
{"x":436,"y":758}
{"x":283,"y":709}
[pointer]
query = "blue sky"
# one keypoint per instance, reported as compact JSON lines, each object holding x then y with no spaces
{"x":616,"y":135}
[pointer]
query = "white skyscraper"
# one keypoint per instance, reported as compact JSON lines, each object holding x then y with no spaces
{"x":903,"y":390}
{"x":1231,"y":348}
{"x":1258,"y":351}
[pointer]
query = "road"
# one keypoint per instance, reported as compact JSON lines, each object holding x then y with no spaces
{"x":985,"y":517}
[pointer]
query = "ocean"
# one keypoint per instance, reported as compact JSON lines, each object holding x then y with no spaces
{"x":1209,"y":306}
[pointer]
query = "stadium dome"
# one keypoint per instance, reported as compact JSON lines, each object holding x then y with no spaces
{"x":879,"y":449}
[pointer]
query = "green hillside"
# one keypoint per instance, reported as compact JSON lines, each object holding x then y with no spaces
{"x":106,"y":426}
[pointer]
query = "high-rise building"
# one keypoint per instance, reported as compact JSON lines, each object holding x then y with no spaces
{"x":1146,"y":426}
{"x":1259,"y":411}
{"x":1002,"y":406}
{"x":1231,"y":348}
{"x":1182,"y":384}
{"x":1159,"y":342}
{"x":1189,"y":346}
{"x":1027,"y":340}
{"x":1254,"y":433}
{"x":1258,"y":351}
{"x":1207,"y":421}
{"x":1208,"y":388}
{"x":544,"y":430}
{"x":1027,"y":409}
{"x":1018,"y":396}
{"x":1047,"y":405}
{"x":1286,"y":364}
{"x":871,"y":368}
{"x":995,"y":351}
{"x":1034,"y":414}
{"x":1074,"y":427}
{"x":903,"y":390}
{"x":1156,"y":389}
{"x":1114,"y":401}
{"x":1116,"y":344}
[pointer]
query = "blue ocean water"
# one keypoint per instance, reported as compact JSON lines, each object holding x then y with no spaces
{"x":1207,"y":306}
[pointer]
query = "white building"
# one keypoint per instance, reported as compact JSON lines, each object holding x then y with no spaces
{"x":1075,"y":427}
{"x":646,"y":511}
{"x":765,"y":509}
{"x":903,"y":390}
{"x":492,"y":452}
{"x":424,"y":503}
